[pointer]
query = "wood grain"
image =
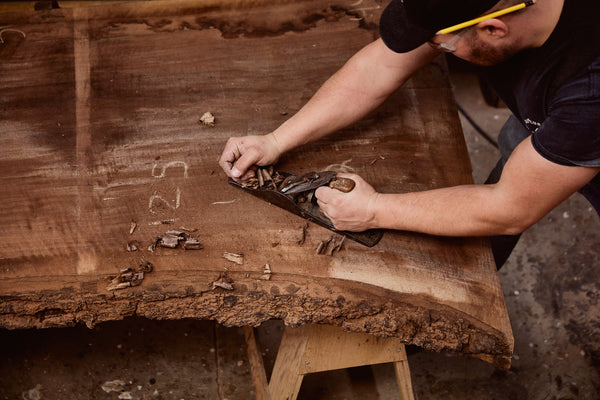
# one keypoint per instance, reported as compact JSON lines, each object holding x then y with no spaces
{"x":100,"y":127}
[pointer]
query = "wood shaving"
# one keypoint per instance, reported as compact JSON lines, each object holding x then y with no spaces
{"x":208,"y":119}
{"x":376,"y":159}
{"x":225,"y":202}
{"x":323,"y":244}
{"x":223,"y":285}
{"x":163,"y":222}
{"x":234,"y":257}
{"x":331,"y":245}
{"x":343,"y":167}
{"x":128,"y":277}
{"x":132,"y":227}
{"x":302,"y":239}
{"x":113,"y":386}
{"x":192,"y":244}
{"x":266,"y":275}
{"x":168,"y":241}
{"x":267,"y":269}
{"x":224,"y":282}
{"x":172,"y":239}
{"x":336,"y":246}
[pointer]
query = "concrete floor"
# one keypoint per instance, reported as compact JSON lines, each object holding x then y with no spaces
{"x":549,"y":282}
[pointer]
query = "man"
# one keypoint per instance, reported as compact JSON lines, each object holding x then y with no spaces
{"x":543,"y":60}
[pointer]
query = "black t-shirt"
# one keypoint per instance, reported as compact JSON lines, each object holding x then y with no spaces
{"x":554,"y":90}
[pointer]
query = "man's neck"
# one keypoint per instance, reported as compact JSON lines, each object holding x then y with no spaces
{"x":543,"y":21}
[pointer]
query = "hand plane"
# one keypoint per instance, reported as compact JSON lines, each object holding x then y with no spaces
{"x":296,"y":195}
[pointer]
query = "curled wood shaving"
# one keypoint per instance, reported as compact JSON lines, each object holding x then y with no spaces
{"x":336,"y":246}
{"x":302,"y":238}
{"x":343,"y":167}
{"x":331,"y":245}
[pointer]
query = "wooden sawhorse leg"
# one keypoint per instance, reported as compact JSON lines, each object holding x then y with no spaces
{"x":316,"y":348}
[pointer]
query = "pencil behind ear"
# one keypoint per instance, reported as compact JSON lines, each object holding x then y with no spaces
{"x":493,"y":27}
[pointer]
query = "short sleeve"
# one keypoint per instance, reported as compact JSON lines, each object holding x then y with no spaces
{"x":570,"y":134}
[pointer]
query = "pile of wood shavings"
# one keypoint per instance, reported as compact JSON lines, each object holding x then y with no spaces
{"x":264,"y":177}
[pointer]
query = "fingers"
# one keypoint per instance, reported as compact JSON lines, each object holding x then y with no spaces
{"x":230,"y":154}
{"x":326,"y":199}
{"x":326,"y":195}
{"x":329,"y":200}
{"x":236,"y":158}
{"x":245,"y":161}
{"x":241,"y":153}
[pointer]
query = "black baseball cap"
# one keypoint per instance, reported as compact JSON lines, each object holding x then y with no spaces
{"x":407,"y":24}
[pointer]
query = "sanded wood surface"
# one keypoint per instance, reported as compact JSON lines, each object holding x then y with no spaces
{"x":100,"y":132}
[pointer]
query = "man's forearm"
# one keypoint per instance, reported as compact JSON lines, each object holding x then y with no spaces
{"x":529,"y":188}
{"x":467,"y":210}
{"x":361,"y":85}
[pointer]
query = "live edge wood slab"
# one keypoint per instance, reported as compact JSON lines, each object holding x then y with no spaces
{"x":100,"y":132}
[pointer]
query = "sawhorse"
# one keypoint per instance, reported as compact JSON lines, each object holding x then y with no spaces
{"x":317,"y":348}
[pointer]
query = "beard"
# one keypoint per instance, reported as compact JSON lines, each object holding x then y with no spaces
{"x":484,"y":54}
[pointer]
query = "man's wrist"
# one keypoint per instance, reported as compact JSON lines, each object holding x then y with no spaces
{"x":277,"y":143}
{"x":374,"y":207}
{"x":282,"y":141}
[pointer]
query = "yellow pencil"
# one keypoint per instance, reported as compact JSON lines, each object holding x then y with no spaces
{"x":484,"y":17}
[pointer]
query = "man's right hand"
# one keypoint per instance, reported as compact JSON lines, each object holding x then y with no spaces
{"x":240,"y":153}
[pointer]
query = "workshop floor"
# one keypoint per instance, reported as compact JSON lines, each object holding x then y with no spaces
{"x":551,"y":292}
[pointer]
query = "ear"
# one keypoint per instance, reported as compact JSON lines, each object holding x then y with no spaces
{"x":493,"y":27}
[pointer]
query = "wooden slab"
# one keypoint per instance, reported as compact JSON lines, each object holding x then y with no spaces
{"x":100,"y":128}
